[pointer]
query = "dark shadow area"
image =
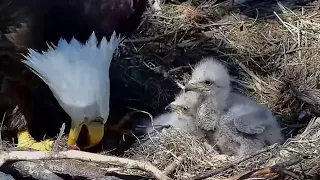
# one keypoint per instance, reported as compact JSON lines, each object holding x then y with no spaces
{"x":264,"y":9}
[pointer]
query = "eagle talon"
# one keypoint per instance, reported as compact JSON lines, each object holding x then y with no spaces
{"x":26,"y":140}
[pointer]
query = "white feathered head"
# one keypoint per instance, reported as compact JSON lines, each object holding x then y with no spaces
{"x":186,"y":103}
{"x":78,"y":76}
{"x":210,"y":77}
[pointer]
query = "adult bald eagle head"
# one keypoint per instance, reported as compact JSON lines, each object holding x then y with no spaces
{"x":78,"y":76}
{"x":69,"y":44}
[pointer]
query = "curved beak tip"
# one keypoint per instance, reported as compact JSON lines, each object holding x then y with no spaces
{"x":168,"y":107}
{"x":95,"y":134}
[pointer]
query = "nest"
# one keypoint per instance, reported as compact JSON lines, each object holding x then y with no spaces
{"x":162,"y":148}
{"x":273,"y":59}
{"x":281,"y":59}
{"x":195,"y":157}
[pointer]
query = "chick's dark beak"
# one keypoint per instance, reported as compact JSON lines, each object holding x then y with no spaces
{"x":169,"y":107}
{"x":190,"y":87}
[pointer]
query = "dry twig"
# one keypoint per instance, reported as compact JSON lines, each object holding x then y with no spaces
{"x":269,"y":172}
{"x":80,"y":155}
{"x":176,"y":162}
{"x":230,"y":165}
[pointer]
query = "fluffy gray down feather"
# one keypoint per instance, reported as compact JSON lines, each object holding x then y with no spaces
{"x":242,"y":128}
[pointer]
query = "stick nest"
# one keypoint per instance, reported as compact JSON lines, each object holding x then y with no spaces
{"x":273,"y":59}
{"x":299,"y":155}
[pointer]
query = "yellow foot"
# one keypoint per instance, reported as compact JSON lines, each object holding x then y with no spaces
{"x":26,"y":140}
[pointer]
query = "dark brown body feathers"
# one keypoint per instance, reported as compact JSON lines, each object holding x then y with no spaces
{"x":41,"y":21}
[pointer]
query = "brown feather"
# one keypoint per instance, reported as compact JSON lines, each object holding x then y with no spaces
{"x":40,"y":21}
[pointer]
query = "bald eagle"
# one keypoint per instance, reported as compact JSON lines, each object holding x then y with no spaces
{"x":68,"y":45}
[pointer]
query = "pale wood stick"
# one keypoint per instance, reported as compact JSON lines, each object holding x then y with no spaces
{"x":85,"y":156}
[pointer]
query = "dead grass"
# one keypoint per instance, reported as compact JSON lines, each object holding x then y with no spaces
{"x":162,"y":148}
{"x":283,"y":54}
{"x":272,"y":60}
{"x":298,"y":154}
{"x":275,"y":61}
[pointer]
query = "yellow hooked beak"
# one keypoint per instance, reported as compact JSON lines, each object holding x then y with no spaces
{"x":95,"y":132}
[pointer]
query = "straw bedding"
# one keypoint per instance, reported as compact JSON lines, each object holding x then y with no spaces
{"x":272,"y":58}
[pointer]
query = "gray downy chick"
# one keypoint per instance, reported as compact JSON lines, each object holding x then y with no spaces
{"x":237,"y":124}
{"x":211,"y":80}
{"x":182,"y":114}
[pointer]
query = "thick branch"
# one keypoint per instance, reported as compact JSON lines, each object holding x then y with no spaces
{"x":6,"y":176}
{"x":80,"y":155}
{"x":35,"y":170}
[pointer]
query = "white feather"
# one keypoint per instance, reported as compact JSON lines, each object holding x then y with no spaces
{"x":78,"y":75}
{"x":183,"y":120}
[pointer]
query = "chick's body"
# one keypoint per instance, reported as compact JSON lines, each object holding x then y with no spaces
{"x":235,"y":124}
{"x":254,"y":118}
{"x":175,"y":120}
{"x":242,"y":128}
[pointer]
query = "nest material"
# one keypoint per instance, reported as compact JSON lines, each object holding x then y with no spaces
{"x":300,"y":154}
{"x":164,"y":147}
{"x":283,"y":55}
{"x":274,"y":61}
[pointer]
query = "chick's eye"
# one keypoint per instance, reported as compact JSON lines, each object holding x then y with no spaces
{"x":207,"y":82}
{"x":185,"y":108}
